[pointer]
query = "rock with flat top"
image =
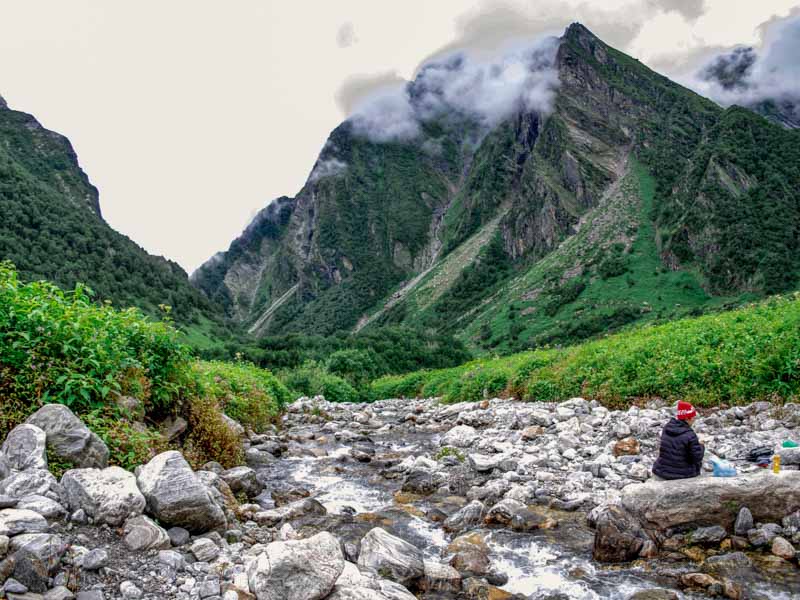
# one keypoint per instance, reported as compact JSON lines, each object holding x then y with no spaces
{"x":393,"y":558}
{"x":297,"y":569}
{"x":108,"y":495}
{"x":659,"y":505}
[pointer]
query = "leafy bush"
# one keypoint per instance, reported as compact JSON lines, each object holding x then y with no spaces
{"x":738,"y":356}
{"x":313,"y":379}
{"x":252,"y":396}
{"x":210,"y":437}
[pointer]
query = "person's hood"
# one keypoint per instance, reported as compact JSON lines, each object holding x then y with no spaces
{"x":676,"y":427}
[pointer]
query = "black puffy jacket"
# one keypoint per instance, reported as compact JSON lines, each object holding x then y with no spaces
{"x":681,"y":453}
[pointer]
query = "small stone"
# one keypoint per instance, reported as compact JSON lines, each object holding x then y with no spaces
{"x":90,"y":595}
{"x":129,"y":590}
{"x":95,"y":559}
{"x":744,"y":521}
{"x":59,"y":592}
{"x":782,"y":548}
{"x":178,"y":536}
{"x":141,"y":533}
{"x":204,"y":550}
{"x":207,"y":589}
{"x":172,"y":559}
{"x":12,"y":586}
{"x":626,"y":447}
{"x":708,"y":535}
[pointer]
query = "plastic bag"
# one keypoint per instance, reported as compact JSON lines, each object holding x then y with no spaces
{"x":722,"y":468}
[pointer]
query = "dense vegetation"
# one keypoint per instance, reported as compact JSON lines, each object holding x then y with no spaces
{"x":64,"y":347}
{"x":738,"y":356}
{"x":51,"y":228}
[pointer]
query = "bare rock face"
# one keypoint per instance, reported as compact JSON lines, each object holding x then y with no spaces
{"x":106,"y":495}
{"x":25,"y":448}
{"x":618,"y":537}
{"x":297,"y":569}
{"x":176,"y":496}
{"x":659,"y":505}
{"x":69,"y":438}
{"x":392,"y":557}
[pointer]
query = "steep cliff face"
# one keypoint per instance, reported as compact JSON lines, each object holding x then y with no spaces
{"x":449,"y":226}
{"x":51,"y":227}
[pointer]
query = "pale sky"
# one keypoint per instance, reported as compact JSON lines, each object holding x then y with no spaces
{"x":191,"y":115}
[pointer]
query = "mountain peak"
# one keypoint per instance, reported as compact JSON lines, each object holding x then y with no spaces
{"x":579,"y":33}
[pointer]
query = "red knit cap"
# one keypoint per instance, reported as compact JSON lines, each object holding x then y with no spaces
{"x":686,"y":411}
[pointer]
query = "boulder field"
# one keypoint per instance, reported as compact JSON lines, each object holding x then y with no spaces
{"x":405,"y":499}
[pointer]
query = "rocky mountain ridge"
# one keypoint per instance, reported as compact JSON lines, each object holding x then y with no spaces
{"x":445,"y":230}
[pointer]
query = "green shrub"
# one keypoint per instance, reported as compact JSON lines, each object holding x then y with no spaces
{"x":254,"y":397}
{"x":210,"y":437}
{"x":732,"y":357}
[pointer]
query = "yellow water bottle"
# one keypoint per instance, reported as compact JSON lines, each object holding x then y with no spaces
{"x":776,"y":463}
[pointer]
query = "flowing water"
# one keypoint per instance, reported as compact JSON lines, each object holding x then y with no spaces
{"x":548,"y":564}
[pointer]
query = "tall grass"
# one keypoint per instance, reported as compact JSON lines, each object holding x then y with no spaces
{"x":733,"y":357}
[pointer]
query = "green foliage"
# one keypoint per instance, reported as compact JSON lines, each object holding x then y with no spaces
{"x":51,"y":228}
{"x":450,"y":451}
{"x":312,"y":379}
{"x":58,"y":346}
{"x":358,"y":367}
{"x":733,"y":357}
{"x":254,"y":397}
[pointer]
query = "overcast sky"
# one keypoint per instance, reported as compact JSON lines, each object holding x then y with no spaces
{"x":191,"y":115}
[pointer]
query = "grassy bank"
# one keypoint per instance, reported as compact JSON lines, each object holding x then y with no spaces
{"x":732,"y":357}
{"x":58,"y":346}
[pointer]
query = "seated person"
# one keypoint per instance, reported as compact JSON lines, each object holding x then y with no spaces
{"x":681,"y":453}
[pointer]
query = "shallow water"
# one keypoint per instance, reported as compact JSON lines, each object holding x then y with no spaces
{"x":540,"y":563}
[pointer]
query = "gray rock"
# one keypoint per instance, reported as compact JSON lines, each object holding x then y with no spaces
{"x":27,"y":483}
{"x":132,"y":408}
{"x":792,"y":520}
{"x":789,"y":456}
{"x":173,"y":428}
{"x":293,"y":510}
{"x":727,"y":565}
{"x":14,"y":521}
{"x":204,"y":550}
{"x":764,"y":535}
{"x":708,"y":535}
{"x":12,"y":586}
{"x":172,"y":559}
{"x":141,"y":533}
{"x":243,"y":479}
{"x":744,"y":521}
{"x":297,"y":569}
{"x":69,"y":438}
{"x":657,"y":594}
{"x":440,"y":578}
{"x":483,"y":463}
{"x":37,"y":556}
{"x":59,"y":592}
{"x":176,"y":496}
{"x":3,"y":545}
{"x":94,"y":559}
{"x":49,"y":509}
{"x":707,"y":500}
{"x":461,"y":436}
{"x":25,"y":448}
{"x":390,"y":556}
{"x":782,"y":548}
{"x":208,"y":588}
{"x":7,"y":501}
{"x":178,"y":536}
{"x":108,"y":495}
{"x":468,"y":517}
{"x":129,"y":590}
{"x":90,"y":595}
{"x":618,"y":535}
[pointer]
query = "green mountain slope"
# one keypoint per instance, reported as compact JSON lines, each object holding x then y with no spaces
{"x":631,"y":198}
{"x":51,"y":228}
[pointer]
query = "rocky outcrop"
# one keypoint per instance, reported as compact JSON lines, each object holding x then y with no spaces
{"x":660,"y":505}
{"x":25,"y":448}
{"x":176,"y":496}
{"x":390,"y":556}
{"x":108,"y":495}
{"x":619,"y":537}
{"x":297,"y":570}
{"x":69,"y":438}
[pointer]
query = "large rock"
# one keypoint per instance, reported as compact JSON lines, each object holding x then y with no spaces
{"x":618,"y":536}
{"x":461,"y":436}
{"x":69,"y":438}
{"x":176,"y":496}
{"x":659,"y":505}
{"x":27,"y":483}
{"x":297,"y":569}
{"x":390,"y":556}
{"x":106,"y":495}
{"x":48,"y":508}
{"x":243,"y":479}
{"x":25,"y":448}
{"x":14,"y":521}
{"x":37,"y":557}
